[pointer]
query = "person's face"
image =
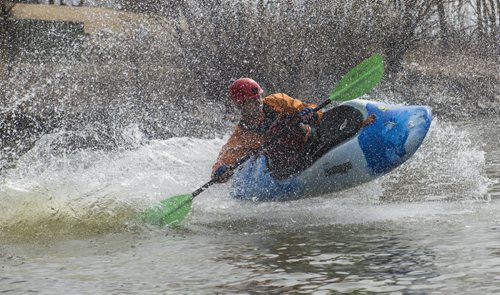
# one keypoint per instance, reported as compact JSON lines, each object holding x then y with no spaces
{"x":251,"y":108}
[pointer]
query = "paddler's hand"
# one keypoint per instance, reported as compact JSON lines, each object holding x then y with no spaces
{"x":221,"y":174}
{"x":306,"y":114}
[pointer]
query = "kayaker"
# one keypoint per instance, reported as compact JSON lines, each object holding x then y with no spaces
{"x":284,"y":124}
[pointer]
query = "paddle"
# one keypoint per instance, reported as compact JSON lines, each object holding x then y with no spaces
{"x":355,"y":83}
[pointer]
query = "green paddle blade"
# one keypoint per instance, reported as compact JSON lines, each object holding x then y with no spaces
{"x":359,"y":80}
{"x":170,"y":211}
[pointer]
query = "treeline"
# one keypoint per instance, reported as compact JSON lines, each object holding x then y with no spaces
{"x":297,"y":46}
{"x":168,"y":73}
{"x":290,"y":44}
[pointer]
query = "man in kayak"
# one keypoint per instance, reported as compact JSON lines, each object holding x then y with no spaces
{"x":283,"y":125}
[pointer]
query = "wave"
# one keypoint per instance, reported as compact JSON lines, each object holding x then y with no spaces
{"x":50,"y":193}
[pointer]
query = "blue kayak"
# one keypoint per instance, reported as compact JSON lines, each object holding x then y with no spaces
{"x":360,"y":156}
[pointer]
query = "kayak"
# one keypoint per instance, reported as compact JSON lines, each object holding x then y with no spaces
{"x":351,"y":154}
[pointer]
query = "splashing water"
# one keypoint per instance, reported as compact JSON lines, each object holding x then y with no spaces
{"x":448,"y":166}
{"x":98,"y":188}
{"x":51,"y":192}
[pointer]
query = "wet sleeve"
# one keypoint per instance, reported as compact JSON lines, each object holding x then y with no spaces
{"x":281,"y":102}
{"x":240,"y":144}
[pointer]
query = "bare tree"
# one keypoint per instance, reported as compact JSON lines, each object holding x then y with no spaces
{"x":443,"y":23}
{"x":407,"y":19}
{"x":496,"y":25}
{"x":3,"y":37}
{"x":254,"y":30}
{"x":492,"y":17}
{"x":480,"y":22}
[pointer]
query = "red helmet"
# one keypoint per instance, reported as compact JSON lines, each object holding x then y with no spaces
{"x":244,"y":89}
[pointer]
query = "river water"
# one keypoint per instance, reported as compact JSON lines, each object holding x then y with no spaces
{"x":431,"y":226}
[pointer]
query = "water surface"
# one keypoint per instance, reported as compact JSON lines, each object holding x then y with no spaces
{"x":431,"y":226}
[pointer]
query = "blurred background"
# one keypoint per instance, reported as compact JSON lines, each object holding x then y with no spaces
{"x":99,"y":71}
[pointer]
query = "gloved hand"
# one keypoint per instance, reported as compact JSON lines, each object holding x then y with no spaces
{"x":221,"y":173}
{"x":306,"y":114}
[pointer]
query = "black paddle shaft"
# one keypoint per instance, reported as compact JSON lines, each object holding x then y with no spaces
{"x":214,"y":180}
{"x":322,"y":105}
{"x":202,"y":188}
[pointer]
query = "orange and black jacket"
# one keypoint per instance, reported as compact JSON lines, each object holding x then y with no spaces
{"x":247,"y":139}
